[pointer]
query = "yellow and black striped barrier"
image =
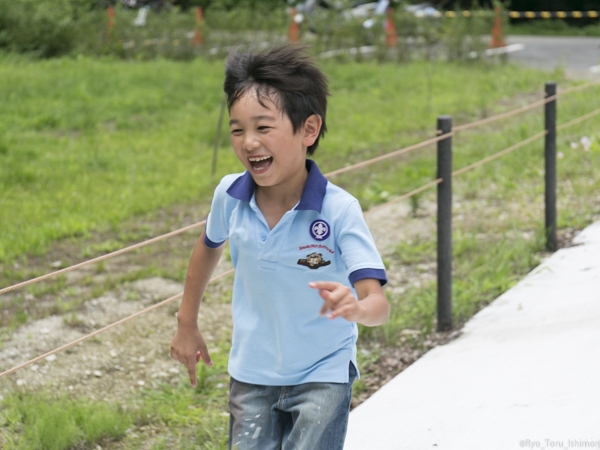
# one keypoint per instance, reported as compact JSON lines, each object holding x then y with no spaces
{"x":554,"y":14}
{"x":526,"y":14}
{"x":479,"y":13}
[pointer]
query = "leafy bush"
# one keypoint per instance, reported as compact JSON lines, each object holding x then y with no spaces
{"x":47,"y":28}
{"x":40,"y":27}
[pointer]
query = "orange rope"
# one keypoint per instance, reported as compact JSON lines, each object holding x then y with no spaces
{"x":504,"y":115}
{"x":389,"y":155}
{"x":101,"y":258}
{"x":525,"y":108}
{"x":578,"y":120}
{"x":578,"y":88}
{"x":499,"y":154}
{"x":407,"y":195}
{"x":330,"y":174}
{"x":398,"y":199}
{"x":176,"y":232}
{"x":102,"y":330}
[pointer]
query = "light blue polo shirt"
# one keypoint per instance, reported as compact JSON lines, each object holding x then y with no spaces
{"x":279,"y":338}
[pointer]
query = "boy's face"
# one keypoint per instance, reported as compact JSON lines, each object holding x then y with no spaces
{"x":265,"y":143}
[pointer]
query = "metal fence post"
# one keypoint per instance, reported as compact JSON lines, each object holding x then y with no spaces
{"x":550,"y":168}
{"x":444,"y":226}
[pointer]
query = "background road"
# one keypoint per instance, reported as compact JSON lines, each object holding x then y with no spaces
{"x":580,"y":56}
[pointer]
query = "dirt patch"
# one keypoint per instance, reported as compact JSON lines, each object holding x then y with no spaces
{"x":120,"y":361}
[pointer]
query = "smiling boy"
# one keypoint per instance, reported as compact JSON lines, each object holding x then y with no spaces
{"x":307,"y":270}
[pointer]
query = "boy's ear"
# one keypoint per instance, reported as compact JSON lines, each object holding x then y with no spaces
{"x":311,"y":129}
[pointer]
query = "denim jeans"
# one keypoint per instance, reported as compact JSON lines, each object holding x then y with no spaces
{"x":310,"y":416}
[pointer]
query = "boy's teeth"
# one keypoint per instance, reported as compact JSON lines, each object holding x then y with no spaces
{"x":260,"y":162}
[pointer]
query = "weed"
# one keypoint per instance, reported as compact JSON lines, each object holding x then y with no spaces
{"x":55,"y":423}
{"x":100,"y":267}
{"x":203,"y":409}
{"x":416,"y":251}
{"x":73,"y":321}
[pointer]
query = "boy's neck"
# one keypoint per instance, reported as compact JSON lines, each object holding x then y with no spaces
{"x":275,"y":201}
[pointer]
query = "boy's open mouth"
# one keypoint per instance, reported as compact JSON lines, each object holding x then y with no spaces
{"x":260,"y":162}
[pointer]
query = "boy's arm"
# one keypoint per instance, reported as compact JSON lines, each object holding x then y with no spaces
{"x":370,"y":309}
{"x":188,"y":344}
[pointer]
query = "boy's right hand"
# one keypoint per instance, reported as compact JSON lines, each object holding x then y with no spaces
{"x":188,"y":347}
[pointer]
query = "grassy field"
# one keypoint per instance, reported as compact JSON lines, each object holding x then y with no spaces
{"x":85,"y":144}
{"x":90,"y":145}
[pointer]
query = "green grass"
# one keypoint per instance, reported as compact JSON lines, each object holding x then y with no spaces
{"x":87,"y":143}
{"x":34,"y":420}
{"x":202,"y":410}
{"x":48,"y":423}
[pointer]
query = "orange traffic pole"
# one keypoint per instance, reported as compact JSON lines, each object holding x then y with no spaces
{"x":497,"y":36}
{"x":198,"y":36}
{"x":294,"y":30}
{"x":391,"y":38}
{"x":110,"y":24}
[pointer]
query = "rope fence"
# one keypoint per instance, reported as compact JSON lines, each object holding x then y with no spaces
{"x":101,"y":258}
{"x":106,"y":328}
{"x":579,"y":120}
{"x":507,"y":150}
{"x":578,"y":87}
{"x":405,"y":196}
{"x":386,"y":156}
{"x":333,"y":173}
{"x":442,"y":136}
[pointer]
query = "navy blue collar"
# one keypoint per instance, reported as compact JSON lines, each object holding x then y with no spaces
{"x":312,"y":194}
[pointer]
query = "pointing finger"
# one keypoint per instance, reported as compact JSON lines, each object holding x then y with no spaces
{"x":192,"y":372}
{"x":327,"y":285}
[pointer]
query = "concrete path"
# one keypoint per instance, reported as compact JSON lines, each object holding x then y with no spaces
{"x":525,"y":373}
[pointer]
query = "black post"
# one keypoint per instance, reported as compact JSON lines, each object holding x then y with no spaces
{"x":550,"y":168}
{"x":444,"y":226}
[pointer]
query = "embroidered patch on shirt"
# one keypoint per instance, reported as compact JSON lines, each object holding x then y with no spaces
{"x":313,"y":261}
{"x":319,"y":230}
{"x":320,"y":246}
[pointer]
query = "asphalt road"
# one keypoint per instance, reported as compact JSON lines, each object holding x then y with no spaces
{"x":578,"y":55}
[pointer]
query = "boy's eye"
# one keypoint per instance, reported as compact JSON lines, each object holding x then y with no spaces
{"x":263,"y":128}
{"x":236,"y":131}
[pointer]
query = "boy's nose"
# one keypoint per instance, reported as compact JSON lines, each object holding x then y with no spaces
{"x":251,"y":144}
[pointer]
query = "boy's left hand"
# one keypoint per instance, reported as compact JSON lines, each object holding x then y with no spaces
{"x":339,"y":301}
{"x":370,"y":309}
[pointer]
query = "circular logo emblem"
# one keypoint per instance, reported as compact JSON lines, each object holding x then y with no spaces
{"x":319,"y":230}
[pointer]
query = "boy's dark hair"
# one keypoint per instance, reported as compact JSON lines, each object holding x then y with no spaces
{"x":284,"y":75}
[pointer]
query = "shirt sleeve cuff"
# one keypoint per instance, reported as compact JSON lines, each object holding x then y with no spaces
{"x":360,"y":274}
{"x":211,"y":244}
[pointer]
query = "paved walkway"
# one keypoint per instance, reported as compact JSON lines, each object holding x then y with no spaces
{"x":525,"y":373}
